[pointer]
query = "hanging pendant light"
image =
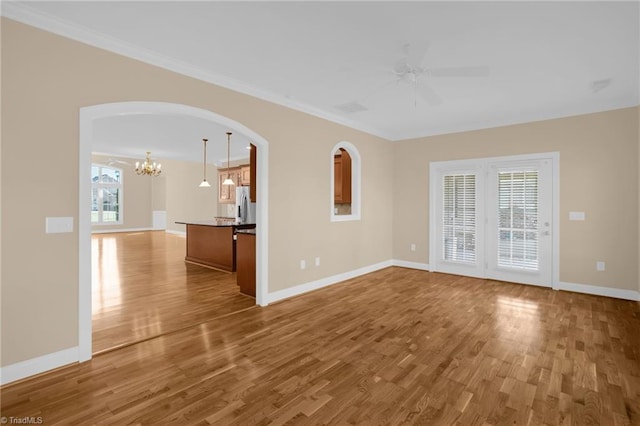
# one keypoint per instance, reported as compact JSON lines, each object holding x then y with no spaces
{"x":228,"y":180}
{"x":204,"y":183}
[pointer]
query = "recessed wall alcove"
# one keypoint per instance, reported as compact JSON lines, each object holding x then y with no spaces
{"x":346,"y":166}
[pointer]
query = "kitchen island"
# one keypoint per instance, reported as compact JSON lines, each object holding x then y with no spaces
{"x":212,"y":243}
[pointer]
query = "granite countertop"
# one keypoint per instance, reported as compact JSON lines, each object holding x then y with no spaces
{"x":215,"y":222}
{"x":251,"y":231}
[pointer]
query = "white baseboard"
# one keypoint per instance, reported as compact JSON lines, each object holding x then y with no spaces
{"x":578,"y":288}
{"x":600,"y":291}
{"x":31,"y":367}
{"x":111,"y":231}
{"x":412,"y":265}
{"x":324,"y":282}
{"x":179,"y":233}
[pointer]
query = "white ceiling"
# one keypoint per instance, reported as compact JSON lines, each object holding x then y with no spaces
{"x":543,"y":59}
{"x":167,"y":137}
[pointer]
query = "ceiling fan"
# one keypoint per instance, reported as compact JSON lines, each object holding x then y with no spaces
{"x":410,"y":71}
{"x":115,"y":161}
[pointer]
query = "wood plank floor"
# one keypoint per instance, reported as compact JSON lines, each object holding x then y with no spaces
{"x":397,"y":346}
{"x":142,"y":288}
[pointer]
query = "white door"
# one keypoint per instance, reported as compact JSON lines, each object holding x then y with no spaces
{"x":493,"y":218}
{"x":519,"y":216}
{"x":458,"y":206}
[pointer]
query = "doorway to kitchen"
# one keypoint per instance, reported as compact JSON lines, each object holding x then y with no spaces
{"x":87,"y":117}
{"x":496,"y":218}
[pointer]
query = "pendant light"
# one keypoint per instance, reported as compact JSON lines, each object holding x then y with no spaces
{"x":204,"y":183}
{"x":228,"y":180}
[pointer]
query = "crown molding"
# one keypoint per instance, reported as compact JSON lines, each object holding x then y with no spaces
{"x":21,"y":12}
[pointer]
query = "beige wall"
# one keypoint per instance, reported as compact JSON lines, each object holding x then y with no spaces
{"x":185,"y":200}
{"x":136,"y":208}
{"x":159,"y":193}
{"x":46,"y":79}
{"x":598,"y":175}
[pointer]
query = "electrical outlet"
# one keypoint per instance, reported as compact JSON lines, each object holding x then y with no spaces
{"x":599,"y":266}
{"x":317,"y":261}
{"x":303,"y":264}
{"x":576,"y":216}
{"x":413,"y":247}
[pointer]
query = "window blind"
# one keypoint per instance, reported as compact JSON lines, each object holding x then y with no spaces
{"x":459,"y":218}
{"x":518,"y":211}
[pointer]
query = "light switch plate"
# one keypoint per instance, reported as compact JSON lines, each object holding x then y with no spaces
{"x":576,"y":216}
{"x":58,"y":225}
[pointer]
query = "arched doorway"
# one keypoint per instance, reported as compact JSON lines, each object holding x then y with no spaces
{"x":87,"y":117}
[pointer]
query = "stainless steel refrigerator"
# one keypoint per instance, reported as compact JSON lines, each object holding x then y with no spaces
{"x":245,"y":209}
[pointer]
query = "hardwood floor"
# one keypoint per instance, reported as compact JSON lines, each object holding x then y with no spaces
{"x":397,"y":346}
{"x":142,"y":288}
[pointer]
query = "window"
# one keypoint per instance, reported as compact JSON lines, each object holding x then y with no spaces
{"x":106,"y":195}
{"x":345,"y":182}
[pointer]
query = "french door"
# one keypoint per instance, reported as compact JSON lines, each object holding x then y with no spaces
{"x":493,"y":218}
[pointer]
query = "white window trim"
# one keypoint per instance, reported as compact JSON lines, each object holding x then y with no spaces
{"x":356,"y":183}
{"x":120,"y":186}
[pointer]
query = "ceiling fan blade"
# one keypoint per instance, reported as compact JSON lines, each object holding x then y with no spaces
{"x":427,"y":93}
{"x":113,"y":161}
{"x":458,"y":72}
{"x":416,"y":51}
{"x":378,"y":88}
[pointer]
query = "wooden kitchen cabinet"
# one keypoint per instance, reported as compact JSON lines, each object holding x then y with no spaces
{"x":245,"y":175}
{"x":227,"y":193}
{"x":241,"y":176}
{"x":342,"y":177}
{"x":246,"y":258}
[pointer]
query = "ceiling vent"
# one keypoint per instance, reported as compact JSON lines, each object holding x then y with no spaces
{"x":351,"y":107}
{"x":598,"y":85}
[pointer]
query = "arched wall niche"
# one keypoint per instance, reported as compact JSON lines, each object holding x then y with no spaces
{"x":346,"y":182}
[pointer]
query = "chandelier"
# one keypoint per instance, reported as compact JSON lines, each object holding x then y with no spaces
{"x":148,"y":168}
